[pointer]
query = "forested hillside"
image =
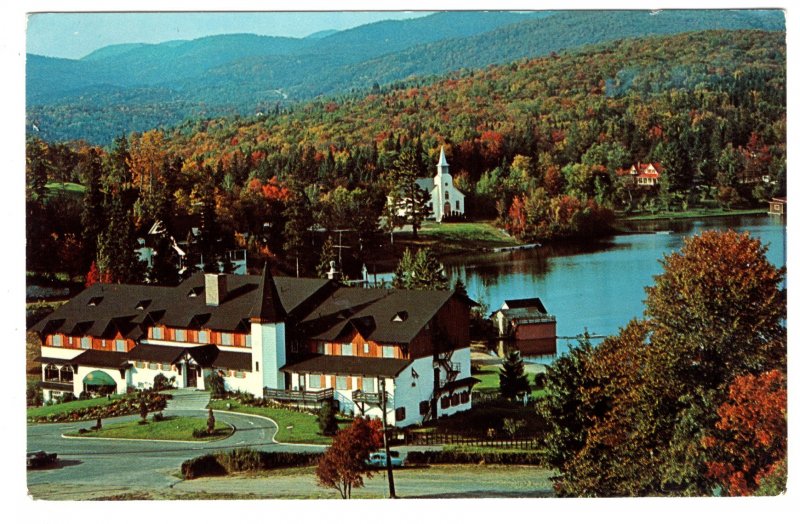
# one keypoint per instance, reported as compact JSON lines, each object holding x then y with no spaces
{"x":137,"y":87}
{"x":537,"y":144}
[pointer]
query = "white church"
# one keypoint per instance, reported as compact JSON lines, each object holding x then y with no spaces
{"x":446,"y":200}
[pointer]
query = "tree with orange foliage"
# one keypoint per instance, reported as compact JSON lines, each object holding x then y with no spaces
{"x":751,"y":439}
{"x":343,"y":466}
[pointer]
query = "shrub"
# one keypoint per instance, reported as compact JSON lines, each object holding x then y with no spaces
{"x":84,"y":395}
{"x":199,"y":433}
{"x":158,"y":417}
{"x":244,"y":459}
{"x":81,"y":431}
{"x":216,"y":384}
{"x":67,"y":397}
{"x":34,"y":395}
{"x":161,"y":382}
{"x":326,"y":418}
{"x":540,"y":380}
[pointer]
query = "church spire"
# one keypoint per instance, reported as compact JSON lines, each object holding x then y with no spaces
{"x":268,"y":308}
{"x":442,"y":159}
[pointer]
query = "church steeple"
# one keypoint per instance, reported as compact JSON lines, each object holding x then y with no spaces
{"x":442,"y":159}
{"x":268,"y":308}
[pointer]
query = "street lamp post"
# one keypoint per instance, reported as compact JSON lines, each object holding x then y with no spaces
{"x":389,"y":473}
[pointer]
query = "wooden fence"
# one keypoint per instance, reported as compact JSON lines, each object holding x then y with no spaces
{"x":440,"y":439}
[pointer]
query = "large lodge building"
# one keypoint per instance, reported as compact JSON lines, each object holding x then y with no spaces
{"x":298,"y":340}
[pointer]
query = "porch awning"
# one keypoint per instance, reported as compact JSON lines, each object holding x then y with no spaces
{"x":98,"y":378}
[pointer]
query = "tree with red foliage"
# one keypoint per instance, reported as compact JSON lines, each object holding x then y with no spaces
{"x":751,"y":437}
{"x":343,"y":466}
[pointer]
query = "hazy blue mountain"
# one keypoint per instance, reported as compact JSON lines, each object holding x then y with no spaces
{"x":133,"y":87}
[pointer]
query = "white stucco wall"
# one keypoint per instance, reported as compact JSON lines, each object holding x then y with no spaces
{"x":66,"y":354}
{"x":411,"y":391}
{"x":121,"y":381}
{"x":269,"y":350}
{"x":142,"y":378}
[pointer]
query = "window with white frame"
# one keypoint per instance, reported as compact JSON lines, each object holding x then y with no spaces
{"x":180,"y":335}
{"x":227,"y":339}
{"x":152,"y":365}
{"x":158,"y":333}
{"x":368,"y":385}
{"x":248,"y":341}
{"x":166,"y":367}
{"x":388,"y":351}
{"x":119,"y":345}
{"x":202,"y":336}
{"x":58,"y":340}
{"x":86,"y":343}
{"x":347,"y":349}
{"x":341,"y":383}
{"x":314,"y":381}
{"x":328,"y":348}
{"x":238,"y":374}
{"x":102,"y":343}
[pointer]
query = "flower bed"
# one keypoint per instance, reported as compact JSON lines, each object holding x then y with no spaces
{"x":128,"y":405}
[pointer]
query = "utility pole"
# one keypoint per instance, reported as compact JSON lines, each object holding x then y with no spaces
{"x":389,"y":473}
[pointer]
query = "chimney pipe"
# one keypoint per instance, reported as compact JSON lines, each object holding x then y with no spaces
{"x":216,"y":288}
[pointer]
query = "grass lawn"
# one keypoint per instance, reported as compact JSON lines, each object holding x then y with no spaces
{"x":693,"y":213}
{"x":489,"y":377}
{"x":66,"y":407}
{"x":455,"y":237}
{"x":304,"y":428}
{"x":171,"y":428}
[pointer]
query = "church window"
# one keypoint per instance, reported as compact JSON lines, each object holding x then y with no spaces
{"x":447,"y":195}
{"x":458,"y":205}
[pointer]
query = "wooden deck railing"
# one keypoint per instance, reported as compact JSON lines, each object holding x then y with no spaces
{"x":298,"y":396}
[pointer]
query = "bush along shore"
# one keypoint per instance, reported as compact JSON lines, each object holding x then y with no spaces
{"x":244,"y":459}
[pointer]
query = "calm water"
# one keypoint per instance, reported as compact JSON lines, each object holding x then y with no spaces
{"x":600,"y":286}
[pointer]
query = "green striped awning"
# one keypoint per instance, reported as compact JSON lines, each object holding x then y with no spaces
{"x":98,"y":378}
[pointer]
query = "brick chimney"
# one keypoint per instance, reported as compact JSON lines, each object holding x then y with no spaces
{"x":216,"y":288}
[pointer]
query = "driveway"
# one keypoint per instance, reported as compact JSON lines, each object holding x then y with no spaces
{"x":89,"y":463}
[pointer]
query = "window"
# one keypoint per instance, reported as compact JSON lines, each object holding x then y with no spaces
{"x":158,"y":333}
{"x":399,"y":414}
{"x":238,"y":374}
{"x":447,"y":195}
{"x":424,"y":407}
{"x":58,"y":340}
{"x":341,"y":383}
{"x":227,"y":339}
{"x":328,"y":348}
{"x":320,"y":347}
{"x":66,"y":374}
{"x":166,"y":367}
{"x":248,"y":341}
{"x":139,"y":364}
{"x":256,"y":366}
{"x":366,"y":348}
{"x":51,"y":373}
{"x":347,"y":349}
{"x":202,"y":336}
{"x":119,"y":345}
{"x":445,"y":402}
{"x":152,"y":365}
{"x":465,"y":397}
{"x":388,"y":351}
{"x":455,"y":400}
{"x":458,"y":205}
{"x":70,"y":341}
{"x":86,"y":343}
{"x":368,"y":385}
{"x":103,"y":343}
{"x":180,"y":335}
{"x":315,"y":381}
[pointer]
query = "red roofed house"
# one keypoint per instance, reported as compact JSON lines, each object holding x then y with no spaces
{"x":645,"y":174}
{"x":299,"y":340}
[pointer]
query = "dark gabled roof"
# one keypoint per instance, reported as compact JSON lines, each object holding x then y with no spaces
{"x":267,"y":307}
{"x":234,"y":360}
{"x":350,"y":366}
{"x":101,"y":359}
{"x":130,"y":307}
{"x":51,"y":360}
{"x":156,"y":353}
{"x":374,"y":311}
{"x":526,"y":303}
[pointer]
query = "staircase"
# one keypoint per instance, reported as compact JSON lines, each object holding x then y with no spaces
{"x":187,"y":400}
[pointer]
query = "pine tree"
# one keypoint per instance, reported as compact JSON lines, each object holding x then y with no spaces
{"x":420,"y":271}
{"x":513,"y":380}
{"x":327,"y":255}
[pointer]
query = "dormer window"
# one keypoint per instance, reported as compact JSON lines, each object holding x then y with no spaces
{"x":94,"y":301}
{"x":142,"y":304}
{"x":195,"y":291}
{"x":400,"y":316}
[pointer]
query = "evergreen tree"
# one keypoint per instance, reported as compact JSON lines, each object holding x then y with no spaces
{"x":420,"y":271}
{"x":117,"y":245}
{"x":297,"y":237}
{"x":513,"y":380}
{"x":413,"y":201}
{"x":326,"y":419}
{"x":92,"y":215}
{"x":327,"y":256}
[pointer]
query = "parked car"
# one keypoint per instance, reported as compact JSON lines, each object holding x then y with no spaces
{"x":378,"y":459}
{"x":40,"y":459}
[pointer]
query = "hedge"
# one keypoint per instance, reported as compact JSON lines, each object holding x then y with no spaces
{"x":532,"y":458}
{"x":244,"y":459}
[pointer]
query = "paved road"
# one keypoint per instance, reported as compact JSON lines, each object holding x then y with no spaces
{"x":139,"y":464}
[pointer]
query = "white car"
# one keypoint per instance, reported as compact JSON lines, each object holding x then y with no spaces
{"x":378,"y":459}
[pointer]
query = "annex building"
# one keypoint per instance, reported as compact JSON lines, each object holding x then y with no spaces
{"x":298,"y":340}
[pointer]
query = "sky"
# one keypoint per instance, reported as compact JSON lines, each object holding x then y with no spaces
{"x":75,"y":35}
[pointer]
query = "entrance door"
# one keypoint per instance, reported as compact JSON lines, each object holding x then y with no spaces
{"x":191,"y":376}
{"x":302,"y":382}
{"x":447,"y":209}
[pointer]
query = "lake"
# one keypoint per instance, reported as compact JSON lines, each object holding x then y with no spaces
{"x":597,"y":286}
